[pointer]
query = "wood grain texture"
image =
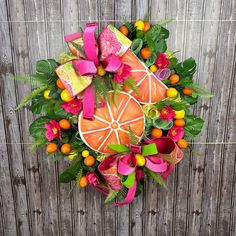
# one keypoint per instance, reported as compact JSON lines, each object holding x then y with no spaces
{"x":201,"y":194}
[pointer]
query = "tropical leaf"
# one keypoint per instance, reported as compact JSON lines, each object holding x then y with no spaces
{"x":201,"y":92}
{"x":136,"y":46}
{"x":30,"y":96}
{"x":111,"y":196}
{"x":117,"y":89}
{"x":130,"y":83}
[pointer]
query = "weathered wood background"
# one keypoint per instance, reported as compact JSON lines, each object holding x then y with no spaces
{"x":201,"y":195}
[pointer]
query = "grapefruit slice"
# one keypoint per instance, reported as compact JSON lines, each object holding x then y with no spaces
{"x":151,"y":89}
{"x":111,"y":123}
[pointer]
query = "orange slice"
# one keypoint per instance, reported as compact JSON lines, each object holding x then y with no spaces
{"x":151,"y":89}
{"x":111,"y":123}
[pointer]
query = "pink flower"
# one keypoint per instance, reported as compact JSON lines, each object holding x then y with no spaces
{"x":176,"y":132}
{"x":73,"y":106}
{"x":162,"y":61}
{"x":139,"y":174}
{"x":167,"y":113}
{"x":92,"y":179}
{"x":52,"y":130}
{"x":122,"y":73}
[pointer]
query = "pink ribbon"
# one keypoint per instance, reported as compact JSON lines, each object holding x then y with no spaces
{"x":85,"y":67}
{"x":156,"y":164}
{"x":88,"y":103}
{"x":127,"y":164}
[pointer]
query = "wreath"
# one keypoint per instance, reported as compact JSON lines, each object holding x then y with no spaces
{"x":115,"y":107}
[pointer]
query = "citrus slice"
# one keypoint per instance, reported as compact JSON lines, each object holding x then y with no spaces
{"x":151,"y":89}
{"x":112,"y":123}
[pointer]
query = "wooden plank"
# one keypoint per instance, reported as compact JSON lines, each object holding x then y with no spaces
{"x":216,"y":128}
{"x":8,"y":219}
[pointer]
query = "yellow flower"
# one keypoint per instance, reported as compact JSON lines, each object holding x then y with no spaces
{"x":100,"y":157}
{"x":169,"y":54}
{"x":151,"y":111}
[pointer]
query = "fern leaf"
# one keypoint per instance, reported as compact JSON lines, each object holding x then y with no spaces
{"x":131,"y":29}
{"x":79,"y":48}
{"x":122,"y":193}
{"x":30,"y":96}
{"x":133,"y":138}
{"x":132,"y":85}
{"x":111,"y":196}
{"x":79,"y":176}
{"x":117,"y":89}
{"x":30,"y":79}
{"x":101,"y":88}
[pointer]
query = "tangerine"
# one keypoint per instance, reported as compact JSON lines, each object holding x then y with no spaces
{"x":64,"y":124}
{"x":66,"y":148}
{"x":83,"y":182}
{"x":174,"y":79}
{"x":145,"y":53}
{"x":51,"y":147}
{"x":147,"y":26}
{"x":187,"y":91}
{"x":89,"y":160}
{"x":179,"y":122}
{"x":156,"y":133}
{"x":182,"y":143}
{"x":59,"y":84}
{"x":124,"y":30}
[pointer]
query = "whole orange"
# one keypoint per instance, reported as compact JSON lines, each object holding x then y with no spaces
{"x":147,"y":26}
{"x":64,"y":124}
{"x":174,"y":79}
{"x":179,"y":122}
{"x":124,"y":30}
{"x":89,"y":160}
{"x":145,"y":53}
{"x":187,"y":91}
{"x":66,"y":148}
{"x":51,"y":147}
{"x":60,"y":85}
{"x":83,"y":182}
{"x":156,"y":133}
{"x":182,"y":143}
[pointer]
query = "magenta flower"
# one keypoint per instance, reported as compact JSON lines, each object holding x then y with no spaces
{"x":139,"y":174}
{"x":162,"y":61}
{"x":122,"y":73}
{"x":52,"y":130}
{"x":92,"y":179}
{"x":167,"y":113}
{"x":73,"y":106}
{"x":176,"y":132}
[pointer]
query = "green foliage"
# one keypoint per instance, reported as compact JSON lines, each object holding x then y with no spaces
{"x":176,"y":105}
{"x":130,"y":83}
{"x":111,"y":196}
{"x":186,"y":68}
{"x":30,"y":96}
{"x":117,"y":89}
{"x":71,"y":172}
{"x":189,"y":99}
{"x":100,"y":88}
{"x":133,"y":138}
{"x":137,"y":46}
{"x":199,"y":91}
{"x":131,"y":29}
{"x":79,"y":176}
{"x":193,"y":126}
{"x":30,"y":79}
{"x":162,"y":124}
{"x":156,"y":177}
{"x":37,"y":128}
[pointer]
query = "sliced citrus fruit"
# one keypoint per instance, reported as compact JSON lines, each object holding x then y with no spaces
{"x":151,"y":89}
{"x":112,"y":123}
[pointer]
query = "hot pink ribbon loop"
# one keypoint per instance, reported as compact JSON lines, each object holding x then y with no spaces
{"x":72,"y":37}
{"x":90,"y":46}
{"x":127,"y":164}
{"x":85,"y":67}
{"x":135,"y":148}
{"x":129,"y":197}
{"x":156,"y":164}
{"x":88,"y":103}
{"x":113,"y":63}
{"x":169,"y":170}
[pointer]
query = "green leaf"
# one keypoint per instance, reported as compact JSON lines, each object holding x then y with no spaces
{"x":150,"y":43}
{"x":117,"y":89}
{"x":193,"y":126}
{"x":189,"y":99}
{"x":177,"y":106}
{"x":30,"y":96}
{"x":156,"y":177}
{"x":161,"y":46}
{"x":79,"y":176}
{"x":136,"y":46}
{"x":201,"y":92}
{"x":149,"y":149}
{"x":131,"y":29}
{"x":101,"y":89}
{"x":151,"y":60}
{"x":184,"y":81}
{"x":173,"y":63}
{"x":164,"y":22}
{"x":59,"y":111}
{"x":37,"y":128}
{"x":130,"y":83}
{"x":186,"y":68}
{"x":111,"y":196}
{"x":162,"y":124}
{"x":71,"y":172}
{"x":30,"y":79}
{"x":118,"y":147}
{"x":133,"y":138}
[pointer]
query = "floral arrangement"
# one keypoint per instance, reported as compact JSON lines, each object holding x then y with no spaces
{"x":116,"y":108}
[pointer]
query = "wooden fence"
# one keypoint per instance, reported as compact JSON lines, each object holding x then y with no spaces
{"x":201,"y":195}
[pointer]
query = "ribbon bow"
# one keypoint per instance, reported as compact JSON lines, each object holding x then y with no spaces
{"x":157,"y":159}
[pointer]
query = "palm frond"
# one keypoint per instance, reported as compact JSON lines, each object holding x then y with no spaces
{"x":117,"y":89}
{"x":111,"y":196}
